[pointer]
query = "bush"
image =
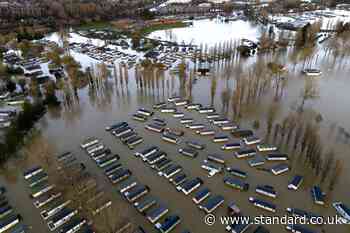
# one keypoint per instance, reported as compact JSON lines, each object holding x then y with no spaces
{"x":10,"y":86}
{"x":51,"y":100}
{"x":256,"y":124}
{"x":14,"y":71}
{"x":244,"y":50}
{"x":146,"y":15}
{"x":25,"y":35}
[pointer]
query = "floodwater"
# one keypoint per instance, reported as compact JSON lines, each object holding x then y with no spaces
{"x":209,"y":32}
{"x":64,"y":129}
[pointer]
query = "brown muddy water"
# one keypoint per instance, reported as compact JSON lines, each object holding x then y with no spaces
{"x":64,"y":129}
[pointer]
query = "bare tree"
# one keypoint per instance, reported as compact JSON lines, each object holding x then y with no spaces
{"x":338,"y":168}
{"x":114,"y":220}
{"x":310,"y":91}
{"x":39,"y":151}
{"x":271,"y":117}
{"x":277,"y":71}
{"x":328,"y":164}
{"x":292,"y":123}
{"x":298,"y":134}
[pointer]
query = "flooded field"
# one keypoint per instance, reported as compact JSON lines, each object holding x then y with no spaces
{"x":210,"y":32}
{"x":65,"y":128}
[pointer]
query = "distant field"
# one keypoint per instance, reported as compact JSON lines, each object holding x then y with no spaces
{"x":150,"y":29}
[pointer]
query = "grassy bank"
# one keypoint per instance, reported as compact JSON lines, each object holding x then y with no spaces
{"x":95,"y":25}
{"x":147,"y":30}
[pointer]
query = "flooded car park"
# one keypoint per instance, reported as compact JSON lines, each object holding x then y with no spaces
{"x":192,"y":167}
{"x":198,"y":128}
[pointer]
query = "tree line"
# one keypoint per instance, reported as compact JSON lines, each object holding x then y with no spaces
{"x":15,"y":136}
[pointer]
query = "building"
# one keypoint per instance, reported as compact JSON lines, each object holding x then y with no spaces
{"x":13,"y":9}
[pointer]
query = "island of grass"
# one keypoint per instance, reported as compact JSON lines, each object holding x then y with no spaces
{"x":128,"y":27}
